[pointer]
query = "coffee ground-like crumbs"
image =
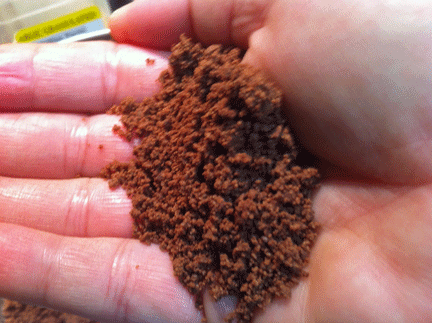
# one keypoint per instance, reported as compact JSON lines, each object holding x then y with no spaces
{"x":15,"y":312}
{"x":214,"y":180}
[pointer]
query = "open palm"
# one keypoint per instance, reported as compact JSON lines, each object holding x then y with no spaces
{"x":356,"y":93}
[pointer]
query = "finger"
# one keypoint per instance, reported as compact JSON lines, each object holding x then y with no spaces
{"x":105,"y":279}
{"x":79,"y":77}
{"x":159,"y":24}
{"x":80,"y":207}
{"x":40,"y":145}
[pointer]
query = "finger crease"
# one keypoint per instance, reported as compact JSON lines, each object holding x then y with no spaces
{"x":77,"y":215}
{"x":193,"y":34}
{"x":109,"y":76}
{"x":117,"y":289}
{"x":230,"y":22}
{"x":247,"y":16}
{"x":79,"y":139}
{"x":33,"y":78}
{"x":80,"y":202}
{"x":49,"y":263}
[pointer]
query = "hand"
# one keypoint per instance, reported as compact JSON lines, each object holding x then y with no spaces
{"x":65,"y":237}
{"x":356,"y":88}
{"x":356,"y":77}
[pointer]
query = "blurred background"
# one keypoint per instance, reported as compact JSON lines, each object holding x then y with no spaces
{"x":115,"y":4}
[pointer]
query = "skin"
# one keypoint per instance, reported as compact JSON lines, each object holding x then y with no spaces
{"x":356,"y":77}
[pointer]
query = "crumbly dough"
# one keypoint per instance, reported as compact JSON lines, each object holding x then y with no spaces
{"x":15,"y":312}
{"x":214,"y":180}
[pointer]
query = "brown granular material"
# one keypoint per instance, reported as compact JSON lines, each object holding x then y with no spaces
{"x":15,"y":312}
{"x":150,"y":61}
{"x":214,"y":180}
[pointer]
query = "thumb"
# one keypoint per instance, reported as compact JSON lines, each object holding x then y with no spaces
{"x":159,"y":24}
{"x":216,"y":312}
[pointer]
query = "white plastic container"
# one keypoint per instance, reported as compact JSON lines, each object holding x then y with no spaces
{"x":45,"y":21}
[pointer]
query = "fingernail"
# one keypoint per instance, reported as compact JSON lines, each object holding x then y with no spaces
{"x":120,"y":12}
{"x":226,"y":305}
{"x":119,"y":23}
{"x":216,"y":312}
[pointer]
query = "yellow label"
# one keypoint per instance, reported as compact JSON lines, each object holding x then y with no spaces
{"x":57,"y":25}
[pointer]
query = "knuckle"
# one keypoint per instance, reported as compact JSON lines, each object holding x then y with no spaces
{"x":247,"y":16}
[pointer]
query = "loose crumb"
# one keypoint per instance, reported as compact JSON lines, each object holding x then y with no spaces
{"x":214,"y":180}
{"x":150,"y":61}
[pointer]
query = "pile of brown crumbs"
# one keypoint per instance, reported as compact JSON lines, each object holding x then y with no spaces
{"x":214,"y":179}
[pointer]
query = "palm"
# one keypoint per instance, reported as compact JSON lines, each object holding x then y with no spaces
{"x":372,"y":260}
{"x":373,"y":256}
